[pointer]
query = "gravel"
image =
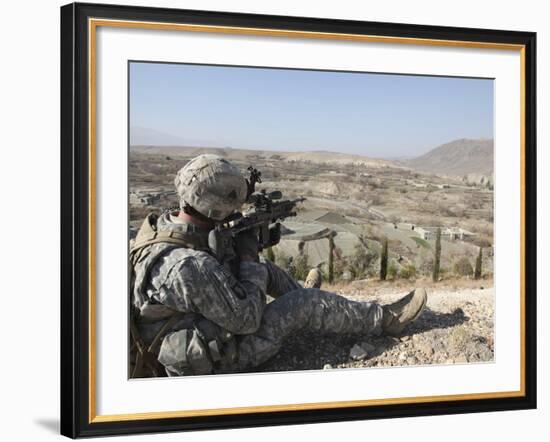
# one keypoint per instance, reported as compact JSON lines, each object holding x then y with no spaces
{"x":456,"y":327}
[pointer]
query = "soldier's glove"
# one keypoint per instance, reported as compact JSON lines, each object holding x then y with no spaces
{"x":247,"y":245}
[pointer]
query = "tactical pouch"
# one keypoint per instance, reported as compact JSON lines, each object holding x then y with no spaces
{"x":204,"y":349}
{"x":183,"y":353}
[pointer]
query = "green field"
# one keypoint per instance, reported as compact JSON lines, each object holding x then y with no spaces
{"x":421,"y":242}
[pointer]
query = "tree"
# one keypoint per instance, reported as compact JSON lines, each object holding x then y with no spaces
{"x":331,"y":259}
{"x":479,"y":261}
{"x":437,"y":256}
{"x":384,"y":260}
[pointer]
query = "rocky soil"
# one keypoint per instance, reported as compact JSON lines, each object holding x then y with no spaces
{"x":455,"y":327}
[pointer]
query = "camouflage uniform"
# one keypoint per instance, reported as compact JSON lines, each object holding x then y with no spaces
{"x":227,"y":325}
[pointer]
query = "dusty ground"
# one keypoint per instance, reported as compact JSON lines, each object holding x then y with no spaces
{"x":455,"y":327}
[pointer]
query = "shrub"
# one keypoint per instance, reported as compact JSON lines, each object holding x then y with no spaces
{"x":361,"y":261}
{"x":408,"y":271}
{"x":392,"y":270}
{"x":301,"y":267}
{"x":463,"y":267}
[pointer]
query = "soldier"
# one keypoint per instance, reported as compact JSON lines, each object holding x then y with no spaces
{"x":191,"y":315}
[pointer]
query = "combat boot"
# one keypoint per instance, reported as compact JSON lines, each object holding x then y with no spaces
{"x":314,"y":279}
{"x":403,"y":311}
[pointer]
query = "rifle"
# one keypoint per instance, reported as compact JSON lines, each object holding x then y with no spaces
{"x":268,"y":208}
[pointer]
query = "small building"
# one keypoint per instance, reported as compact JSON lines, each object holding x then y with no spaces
{"x":448,"y":234}
{"x":427,"y":233}
{"x":460,"y":234}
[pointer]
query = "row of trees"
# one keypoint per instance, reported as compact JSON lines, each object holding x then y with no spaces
{"x":462,"y":266}
{"x":365,"y":262}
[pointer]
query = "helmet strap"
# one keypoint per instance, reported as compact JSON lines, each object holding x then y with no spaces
{"x":192,"y":216}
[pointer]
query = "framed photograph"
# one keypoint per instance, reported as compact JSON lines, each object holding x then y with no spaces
{"x":273,"y":220}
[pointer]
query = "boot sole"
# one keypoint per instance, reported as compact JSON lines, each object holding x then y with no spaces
{"x":398,"y":331}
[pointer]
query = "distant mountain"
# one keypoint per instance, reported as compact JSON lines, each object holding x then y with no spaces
{"x":314,"y":157}
{"x":144,"y":136}
{"x":457,"y":158}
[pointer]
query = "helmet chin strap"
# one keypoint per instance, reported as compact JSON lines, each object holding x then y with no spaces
{"x":203,"y":223}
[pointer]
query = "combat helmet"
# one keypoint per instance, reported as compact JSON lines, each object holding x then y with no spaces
{"x":212,"y":186}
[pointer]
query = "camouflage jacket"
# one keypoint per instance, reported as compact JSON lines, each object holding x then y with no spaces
{"x":187,"y":280}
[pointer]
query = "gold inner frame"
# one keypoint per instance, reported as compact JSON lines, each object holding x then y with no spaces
{"x":93,"y":24}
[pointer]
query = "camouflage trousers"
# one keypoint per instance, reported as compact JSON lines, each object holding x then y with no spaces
{"x":298,"y":309}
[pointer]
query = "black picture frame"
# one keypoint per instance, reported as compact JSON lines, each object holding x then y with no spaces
{"x":75,"y":220}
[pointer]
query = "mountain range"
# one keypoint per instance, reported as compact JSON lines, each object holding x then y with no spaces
{"x":457,"y":158}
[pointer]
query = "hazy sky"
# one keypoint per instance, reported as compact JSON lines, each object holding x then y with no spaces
{"x":279,"y":109}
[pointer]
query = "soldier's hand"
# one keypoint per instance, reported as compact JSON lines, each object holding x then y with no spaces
{"x":247,"y":246}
